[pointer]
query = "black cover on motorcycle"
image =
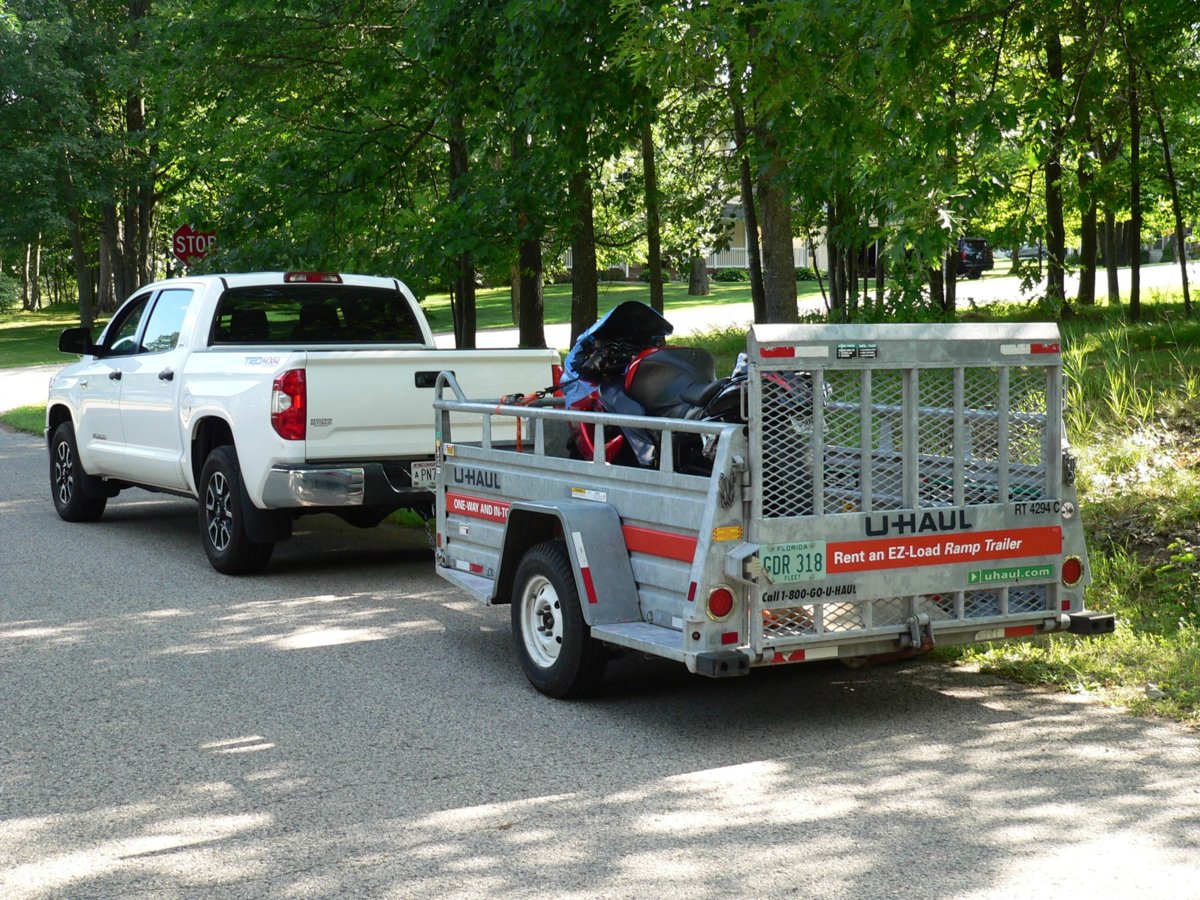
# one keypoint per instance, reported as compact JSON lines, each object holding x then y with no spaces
{"x":660,"y":379}
{"x":631,"y":321}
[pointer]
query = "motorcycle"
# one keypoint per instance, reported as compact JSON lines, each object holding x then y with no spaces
{"x":623,"y":365}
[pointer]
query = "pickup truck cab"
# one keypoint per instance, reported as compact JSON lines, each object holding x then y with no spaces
{"x":264,"y":396}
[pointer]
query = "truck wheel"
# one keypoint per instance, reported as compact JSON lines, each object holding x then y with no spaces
{"x":221,"y":523}
{"x":555,"y":646}
{"x":67,"y":479}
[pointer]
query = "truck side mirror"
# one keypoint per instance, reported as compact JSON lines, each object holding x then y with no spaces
{"x":76,"y":340}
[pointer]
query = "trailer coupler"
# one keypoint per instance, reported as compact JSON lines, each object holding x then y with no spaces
{"x":1092,"y":623}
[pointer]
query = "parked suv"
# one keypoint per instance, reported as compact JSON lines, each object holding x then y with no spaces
{"x":974,"y":257}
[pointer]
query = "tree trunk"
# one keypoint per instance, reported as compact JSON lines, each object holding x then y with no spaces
{"x":1111,"y":257}
{"x":1175,"y":205}
{"x":87,"y":300}
{"x":950,"y":270}
{"x":464,"y":283}
{"x":698,"y":285}
{"x":105,"y":289}
{"x":775,"y":207}
{"x":749,"y":207}
{"x":1087,"y":236}
{"x":879,"y":248}
{"x":584,"y":299}
{"x":530,"y":328}
{"x":1056,"y":230}
{"x":937,"y":295}
{"x":25,"y":272}
{"x":1135,"y":197}
{"x":833,"y":265}
{"x":35,"y":288}
{"x":653,"y":222}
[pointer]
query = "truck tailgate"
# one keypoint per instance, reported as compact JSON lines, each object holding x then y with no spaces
{"x":347,"y":419}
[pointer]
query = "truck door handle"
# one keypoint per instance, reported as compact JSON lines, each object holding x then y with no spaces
{"x":114,"y":375}
{"x":426,"y":379}
{"x":166,"y":375}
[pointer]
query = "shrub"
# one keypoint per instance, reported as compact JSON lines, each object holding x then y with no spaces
{"x":731,"y":275}
{"x":805,"y":273}
{"x":1169,"y":252}
{"x":1145,"y":255}
{"x":1072,"y":258}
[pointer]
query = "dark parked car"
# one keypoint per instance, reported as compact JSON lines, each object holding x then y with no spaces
{"x":974,"y":257}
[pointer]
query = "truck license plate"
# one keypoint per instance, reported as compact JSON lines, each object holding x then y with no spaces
{"x":423,"y":474}
{"x":787,"y":563}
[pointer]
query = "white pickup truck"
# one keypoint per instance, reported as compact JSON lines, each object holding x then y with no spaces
{"x":264,"y":396}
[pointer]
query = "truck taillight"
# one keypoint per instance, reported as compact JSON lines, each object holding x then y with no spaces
{"x":288,"y":403}
{"x":312,"y":278}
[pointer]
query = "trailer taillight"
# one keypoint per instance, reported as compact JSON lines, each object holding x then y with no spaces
{"x":288,"y":402}
{"x":1072,"y":571}
{"x":720,"y":603}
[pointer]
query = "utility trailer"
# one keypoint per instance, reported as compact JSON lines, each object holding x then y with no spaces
{"x":921,"y":494}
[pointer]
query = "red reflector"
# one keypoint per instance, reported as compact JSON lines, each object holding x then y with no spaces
{"x":288,"y":405}
{"x":692,"y":592}
{"x":312,"y":278}
{"x":1020,"y":631}
{"x":720,"y":603}
{"x":1044,"y":348}
{"x":773,"y":352}
{"x":1072,"y":571}
{"x":729,"y":637}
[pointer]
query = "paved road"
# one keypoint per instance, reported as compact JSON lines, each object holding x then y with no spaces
{"x":348,"y":726}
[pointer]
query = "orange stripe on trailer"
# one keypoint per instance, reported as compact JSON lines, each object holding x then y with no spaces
{"x":659,"y":543}
{"x":1020,"y":631}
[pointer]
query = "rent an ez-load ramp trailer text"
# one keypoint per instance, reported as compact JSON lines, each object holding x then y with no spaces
{"x":921,"y":494}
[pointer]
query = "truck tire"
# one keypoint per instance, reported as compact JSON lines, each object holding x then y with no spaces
{"x":67,"y":480}
{"x":557,"y":652}
{"x":222,"y":525}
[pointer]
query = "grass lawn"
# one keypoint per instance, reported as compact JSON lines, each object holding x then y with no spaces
{"x":31,"y":338}
{"x":493,"y":308}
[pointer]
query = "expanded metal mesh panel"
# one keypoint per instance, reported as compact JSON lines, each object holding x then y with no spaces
{"x":843,"y":441}
{"x":1027,"y":433}
{"x":1027,"y":599}
{"x":981,"y":604}
{"x":989,"y":432}
{"x":787,"y":427}
{"x":981,"y":394}
{"x":935,"y":437}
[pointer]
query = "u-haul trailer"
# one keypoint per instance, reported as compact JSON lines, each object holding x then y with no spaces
{"x":923,"y":494}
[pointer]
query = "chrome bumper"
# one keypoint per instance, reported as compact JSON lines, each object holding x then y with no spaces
{"x":337,"y":486}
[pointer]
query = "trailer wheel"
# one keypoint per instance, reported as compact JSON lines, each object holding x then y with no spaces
{"x":554,"y":643}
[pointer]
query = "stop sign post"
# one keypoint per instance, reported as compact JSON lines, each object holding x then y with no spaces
{"x":189,"y":244}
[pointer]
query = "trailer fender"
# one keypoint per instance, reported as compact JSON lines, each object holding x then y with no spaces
{"x":596,"y":544}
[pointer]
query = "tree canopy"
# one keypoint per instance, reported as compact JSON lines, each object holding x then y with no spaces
{"x":454,"y":143}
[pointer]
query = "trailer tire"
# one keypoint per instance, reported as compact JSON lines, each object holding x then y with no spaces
{"x":557,"y":652}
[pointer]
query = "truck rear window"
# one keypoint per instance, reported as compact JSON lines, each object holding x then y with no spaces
{"x":314,"y":314}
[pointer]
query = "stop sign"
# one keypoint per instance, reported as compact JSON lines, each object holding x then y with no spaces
{"x":187,"y":243}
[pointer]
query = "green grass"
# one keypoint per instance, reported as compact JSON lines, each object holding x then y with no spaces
{"x":31,"y":338}
{"x":493,"y":306}
{"x":31,"y":419}
{"x":1133,"y":418}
